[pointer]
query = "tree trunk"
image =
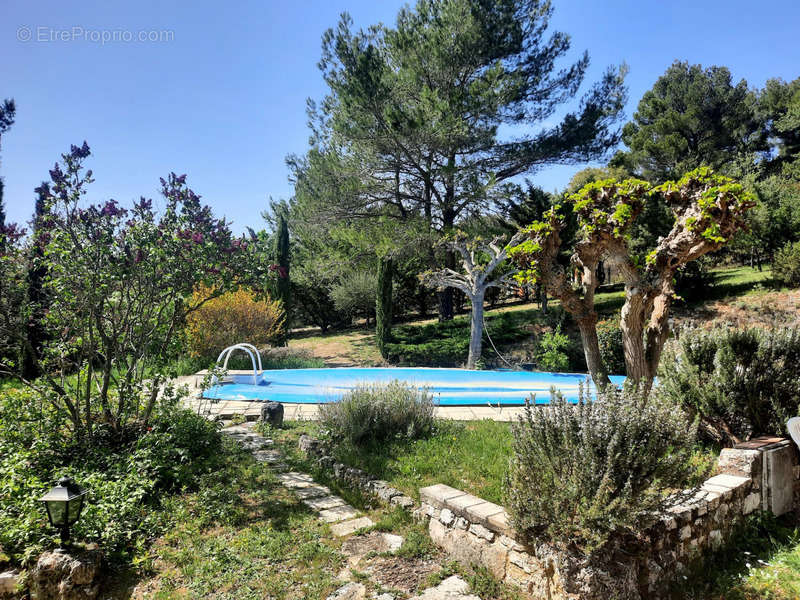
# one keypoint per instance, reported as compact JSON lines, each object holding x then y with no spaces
{"x":657,"y":333}
{"x":476,"y":330}
{"x":383,"y":306}
{"x":591,"y":349}
{"x":632,"y":325}
{"x":542,"y":298}
{"x":446,"y":296}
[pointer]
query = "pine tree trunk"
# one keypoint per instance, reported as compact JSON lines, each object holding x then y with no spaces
{"x":383,"y":305}
{"x":476,"y":330}
{"x":446,"y":296}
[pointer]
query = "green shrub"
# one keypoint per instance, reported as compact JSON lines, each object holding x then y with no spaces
{"x":446,"y":344}
{"x":371,"y":413}
{"x":609,"y":336}
{"x":583,"y":475}
{"x":786,"y":265}
{"x":742,"y":382}
{"x":128,"y":474}
{"x":551,"y":354}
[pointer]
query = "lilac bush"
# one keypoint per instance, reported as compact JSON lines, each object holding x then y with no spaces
{"x":119,"y":284}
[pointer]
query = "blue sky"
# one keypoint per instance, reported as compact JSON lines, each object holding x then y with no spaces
{"x":222,"y":96}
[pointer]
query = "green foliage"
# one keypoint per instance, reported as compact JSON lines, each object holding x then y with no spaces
{"x":779,"y":104}
{"x":609,"y":206}
{"x":116,"y":290}
{"x":551,"y":354}
{"x":354,"y":294}
{"x":378,"y":413}
{"x":446,"y":344}
{"x":741,"y":382}
{"x":774,"y":221}
{"x":609,"y":337}
{"x":128,"y":474}
{"x":786,"y":266}
{"x":583,"y":475}
{"x":692,"y":116}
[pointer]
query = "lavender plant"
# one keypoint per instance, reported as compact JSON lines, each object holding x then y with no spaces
{"x":375,"y":412}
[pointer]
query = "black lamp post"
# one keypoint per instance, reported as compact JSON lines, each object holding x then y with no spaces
{"x":64,"y":503}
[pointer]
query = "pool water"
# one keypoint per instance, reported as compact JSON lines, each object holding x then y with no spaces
{"x":450,"y":387}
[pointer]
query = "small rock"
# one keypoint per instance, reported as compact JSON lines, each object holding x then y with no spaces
{"x":384,"y":597}
{"x":308,"y":444}
{"x":272,"y":413}
{"x":446,"y":516}
{"x":351,"y":591}
{"x":393,"y":542}
{"x":453,"y":588}
{"x":481,"y":532}
{"x":8,"y":583}
{"x":67,"y":576}
{"x":402,"y":501}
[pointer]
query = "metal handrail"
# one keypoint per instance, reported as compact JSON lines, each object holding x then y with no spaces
{"x":251,"y":350}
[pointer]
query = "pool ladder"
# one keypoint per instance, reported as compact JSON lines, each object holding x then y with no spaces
{"x":251,"y":350}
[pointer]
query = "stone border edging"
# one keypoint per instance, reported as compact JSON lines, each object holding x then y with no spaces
{"x":473,"y":530}
{"x":358,"y":478}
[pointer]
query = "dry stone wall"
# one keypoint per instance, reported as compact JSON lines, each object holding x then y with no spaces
{"x":762,"y":475}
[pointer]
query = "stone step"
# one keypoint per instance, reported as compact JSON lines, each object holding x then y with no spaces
{"x":312,"y":491}
{"x":338,"y":513}
{"x":324,"y":502}
{"x":344,"y":528}
{"x":295,"y":480}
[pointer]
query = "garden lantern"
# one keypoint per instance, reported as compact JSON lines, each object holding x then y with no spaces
{"x":64,"y":503}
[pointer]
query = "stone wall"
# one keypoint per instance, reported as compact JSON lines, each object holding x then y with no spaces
{"x":759,"y":475}
{"x":355,"y":478}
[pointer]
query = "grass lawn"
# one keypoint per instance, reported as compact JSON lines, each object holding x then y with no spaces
{"x":471,"y":456}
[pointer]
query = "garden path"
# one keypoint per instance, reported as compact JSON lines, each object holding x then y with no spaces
{"x":345,"y":520}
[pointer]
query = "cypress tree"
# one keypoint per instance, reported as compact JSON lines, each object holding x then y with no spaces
{"x":383,"y":304}
{"x":36,"y":296}
{"x":8,"y":111}
{"x":281,"y":257}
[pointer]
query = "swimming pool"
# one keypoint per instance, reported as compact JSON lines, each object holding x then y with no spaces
{"x":450,"y":387}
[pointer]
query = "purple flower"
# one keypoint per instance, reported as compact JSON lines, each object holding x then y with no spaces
{"x":110,"y":209}
{"x":80,"y":151}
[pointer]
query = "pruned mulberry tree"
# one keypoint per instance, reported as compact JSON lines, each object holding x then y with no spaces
{"x":708,"y":210}
{"x":480,"y":261}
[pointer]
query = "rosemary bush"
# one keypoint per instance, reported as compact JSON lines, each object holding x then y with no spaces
{"x":582,"y":474}
{"x":741,"y":382}
{"x":378,"y":412}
